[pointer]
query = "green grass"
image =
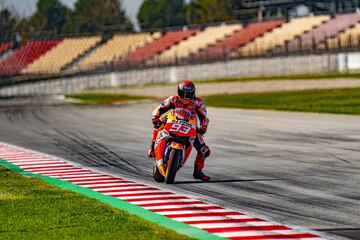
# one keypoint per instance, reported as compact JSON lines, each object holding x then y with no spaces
{"x":33,"y":209}
{"x":341,"y":101}
{"x":104,"y":98}
{"x":314,"y":76}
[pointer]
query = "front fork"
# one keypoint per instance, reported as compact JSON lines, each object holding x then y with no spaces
{"x":162,"y":150}
{"x":162,"y":163}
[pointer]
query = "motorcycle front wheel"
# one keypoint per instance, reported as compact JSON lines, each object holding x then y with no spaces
{"x":157,"y":175}
{"x":173,"y":165}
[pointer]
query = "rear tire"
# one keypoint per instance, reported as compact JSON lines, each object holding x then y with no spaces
{"x":173,"y":165}
{"x":157,"y":175}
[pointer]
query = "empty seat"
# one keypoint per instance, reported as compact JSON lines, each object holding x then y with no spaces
{"x":61,"y":55}
{"x":115,"y":48}
{"x":197,"y":42}
{"x":147,"y":52}
{"x":349,"y":38}
{"x":327,"y":30}
{"x":32,"y":50}
{"x":279,"y":36}
{"x":238,"y":39}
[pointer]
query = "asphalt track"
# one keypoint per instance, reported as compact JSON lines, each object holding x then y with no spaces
{"x":295,"y":168}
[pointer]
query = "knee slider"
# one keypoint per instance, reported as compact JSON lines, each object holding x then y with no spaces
{"x":205,"y":151}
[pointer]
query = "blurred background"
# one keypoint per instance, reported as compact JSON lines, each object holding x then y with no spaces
{"x":109,"y":43}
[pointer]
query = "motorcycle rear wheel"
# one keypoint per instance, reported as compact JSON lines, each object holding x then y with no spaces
{"x":173,"y":165}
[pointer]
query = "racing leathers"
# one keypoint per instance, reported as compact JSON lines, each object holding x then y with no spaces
{"x":196,"y":106}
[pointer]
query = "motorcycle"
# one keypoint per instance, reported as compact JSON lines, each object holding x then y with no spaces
{"x":174,"y":144}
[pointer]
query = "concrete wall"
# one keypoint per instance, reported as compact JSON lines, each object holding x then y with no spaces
{"x":233,"y":68}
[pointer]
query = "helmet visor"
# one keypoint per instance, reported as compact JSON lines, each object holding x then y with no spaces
{"x":186,"y":95}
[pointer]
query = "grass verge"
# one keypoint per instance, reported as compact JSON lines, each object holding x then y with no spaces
{"x":33,"y":209}
{"x":104,"y":98}
{"x":340,"y":101}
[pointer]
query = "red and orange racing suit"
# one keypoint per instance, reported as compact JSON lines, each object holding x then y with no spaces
{"x":196,"y":106}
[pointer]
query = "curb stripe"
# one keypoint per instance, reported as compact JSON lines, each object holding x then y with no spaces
{"x":169,"y":204}
{"x":93,"y":179}
{"x":42,"y":164}
{"x":54,"y":167}
{"x":226,"y":221}
{"x":185,"y":215}
{"x":247,"y":228}
{"x":269,"y":235}
{"x":118,"y":203}
{"x":278,"y":236}
{"x":186,"y":208}
{"x":112,"y":185}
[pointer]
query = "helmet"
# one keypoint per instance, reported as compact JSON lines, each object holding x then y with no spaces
{"x":186,"y":91}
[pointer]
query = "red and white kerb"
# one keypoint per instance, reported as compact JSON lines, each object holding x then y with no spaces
{"x":209,"y":217}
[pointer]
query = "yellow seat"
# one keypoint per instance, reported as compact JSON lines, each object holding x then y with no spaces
{"x":279,"y":36}
{"x":197,"y":42}
{"x":61,"y":55}
{"x":349,"y":38}
{"x":115,"y":48}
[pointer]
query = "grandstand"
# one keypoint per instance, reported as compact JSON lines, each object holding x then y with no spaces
{"x":237,"y":40}
{"x":115,"y":48}
{"x":63,"y":54}
{"x":204,"y":43}
{"x":330,"y":29}
{"x":149,"y":51}
{"x":197,"y":42}
{"x":286,"y":9}
{"x":347,"y":39}
{"x":13,"y":64}
{"x":278,"y":37}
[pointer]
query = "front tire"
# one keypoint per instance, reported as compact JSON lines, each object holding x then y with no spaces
{"x":173,"y":165}
{"x":157,"y":175}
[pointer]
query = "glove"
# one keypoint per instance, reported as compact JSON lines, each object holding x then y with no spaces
{"x":156,"y":122}
{"x":203,"y":128}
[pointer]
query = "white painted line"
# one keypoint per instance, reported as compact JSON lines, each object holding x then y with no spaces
{"x":26,"y":159}
{"x":69,"y":174}
{"x":72,"y":169}
{"x":192,"y":211}
{"x":154,"y":192}
{"x":110,"y":180}
{"x":87,"y":177}
{"x":82,"y":176}
{"x":111,"y":183}
{"x":34,"y":161}
{"x":256,"y":233}
{"x":126,"y":186}
{"x":133,"y":200}
{"x":178,"y":206}
{"x":184,"y":219}
{"x":226,"y":225}
{"x":43,"y":165}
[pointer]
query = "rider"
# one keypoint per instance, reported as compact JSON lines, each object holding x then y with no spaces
{"x":186,"y":99}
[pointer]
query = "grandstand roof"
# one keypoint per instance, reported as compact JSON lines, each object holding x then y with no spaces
{"x":258,"y":3}
{"x":248,"y":9}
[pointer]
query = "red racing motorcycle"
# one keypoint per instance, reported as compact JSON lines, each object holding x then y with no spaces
{"x":173,"y":144}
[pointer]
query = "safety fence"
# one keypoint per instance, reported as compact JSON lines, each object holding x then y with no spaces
{"x":224,"y":69}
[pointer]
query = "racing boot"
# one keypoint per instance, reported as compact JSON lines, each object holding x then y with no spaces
{"x":151,"y":152}
{"x":198,"y":174}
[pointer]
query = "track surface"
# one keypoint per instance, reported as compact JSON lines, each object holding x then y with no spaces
{"x":301,"y":169}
